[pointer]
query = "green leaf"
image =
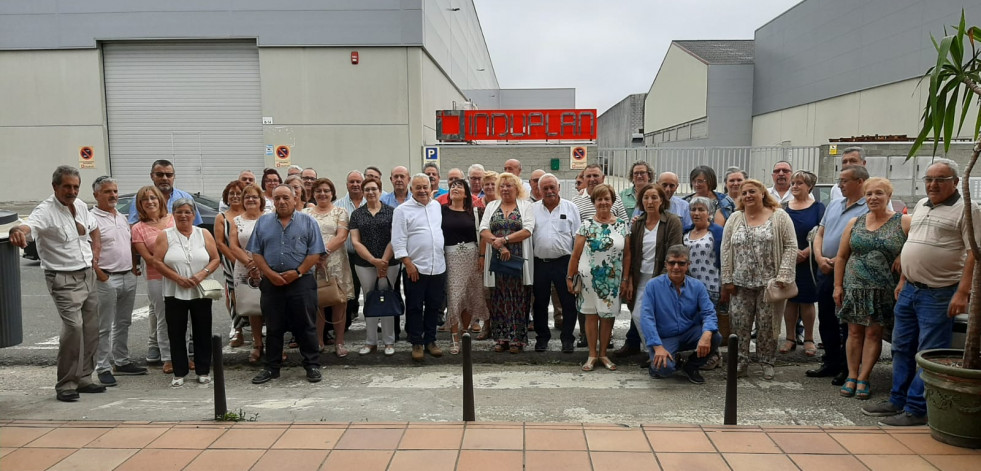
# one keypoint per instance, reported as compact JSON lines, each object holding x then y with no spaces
{"x":939,"y":114}
{"x":949,"y":118}
{"x":965,"y":107}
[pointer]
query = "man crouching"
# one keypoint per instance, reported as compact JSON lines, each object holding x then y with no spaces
{"x":677,"y":315}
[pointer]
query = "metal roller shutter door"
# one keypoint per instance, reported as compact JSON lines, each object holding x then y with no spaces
{"x":195,"y":103}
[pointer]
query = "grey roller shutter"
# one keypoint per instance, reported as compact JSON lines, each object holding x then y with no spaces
{"x":195,"y":103}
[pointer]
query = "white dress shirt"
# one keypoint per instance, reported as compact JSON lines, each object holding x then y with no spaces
{"x":59,"y":245}
{"x":555,"y":230}
{"x":116,"y":240}
{"x":417,"y":233}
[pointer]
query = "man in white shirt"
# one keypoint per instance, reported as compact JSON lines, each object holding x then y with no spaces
{"x":781,"y":181}
{"x":68,"y":245}
{"x":116,"y":282}
{"x":556,"y":223}
{"x":417,"y":240}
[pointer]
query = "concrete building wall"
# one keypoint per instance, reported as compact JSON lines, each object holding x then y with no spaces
{"x":821,"y":49}
{"x":452,"y":36}
{"x":52,"y":104}
{"x":730,"y":105}
{"x":617,"y":126}
{"x":523,"y":98}
{"x":679,"y":92}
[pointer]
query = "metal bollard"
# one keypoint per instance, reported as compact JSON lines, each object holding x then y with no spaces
{"x":218,"y":377}
{"x":469,"y":414}
{"x":732,"y":361}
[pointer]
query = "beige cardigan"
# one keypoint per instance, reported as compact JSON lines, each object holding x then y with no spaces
{"x":784,"y":248}
{"x":527,"y":222}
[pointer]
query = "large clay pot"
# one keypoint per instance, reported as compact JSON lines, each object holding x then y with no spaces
{"x":953,"y":397}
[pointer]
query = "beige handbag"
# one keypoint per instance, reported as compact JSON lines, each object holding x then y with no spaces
{"x":775,"y":293}
{"x":210,"y":289}
{"x":328,"y":293}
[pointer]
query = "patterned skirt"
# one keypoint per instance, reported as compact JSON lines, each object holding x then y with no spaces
{"x":464,"y":284}
{"x":509,"y":306}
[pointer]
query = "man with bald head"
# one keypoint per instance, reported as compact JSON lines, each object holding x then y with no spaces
{"x":513,"y":166}
{"x":400,"y":187}
{"x":678,"y":206}
{"x":536,"y":192}
{"x":247,"y":178}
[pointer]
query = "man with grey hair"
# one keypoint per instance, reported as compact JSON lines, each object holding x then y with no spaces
{"x":432,"y":170}
{"x":679,"y":207}
{"x":536,"y":192}
{"x":781,"y":181}
{"x":934,"y":286}
{"x":293,"y":170}
{"x":68,"y":245}
{"x":850,"y":156}
{"x":116,"y":282}
{"x":556,"y":223}
{"x":475,"y":175}
{"x":247,"y":177}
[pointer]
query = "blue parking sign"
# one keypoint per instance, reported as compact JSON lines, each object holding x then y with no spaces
{"x":430,"y":153}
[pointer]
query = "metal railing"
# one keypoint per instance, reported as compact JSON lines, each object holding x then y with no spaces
{"x":757,"y":161}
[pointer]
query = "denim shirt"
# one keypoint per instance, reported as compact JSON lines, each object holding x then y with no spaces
{"x":285,"y":248}
{"x":666,"y":313}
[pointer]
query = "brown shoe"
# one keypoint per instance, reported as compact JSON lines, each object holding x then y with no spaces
{"x":484,"y":331}
{"x":168,"y":367}
{"x":434,"y":349}
{"x":557,"y":321}
{"x":238,"y":340}
{"x":626,"y":351}
{"x":417,"y":353}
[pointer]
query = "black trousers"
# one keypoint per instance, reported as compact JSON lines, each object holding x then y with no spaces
{"x":548,"y":273}
{"x":177,"y":311}
{"x":291,"y":307}
{"x":832,"y":332}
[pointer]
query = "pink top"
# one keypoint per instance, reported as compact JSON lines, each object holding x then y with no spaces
{"x":147,"y":235}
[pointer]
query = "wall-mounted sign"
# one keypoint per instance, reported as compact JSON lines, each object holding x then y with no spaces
{"x":282,"y":156}
{"x":507,"y":125}
{"x":833,"y":149}
{"x":430,"y":154}
{"x":86,"y":157}
{"x":577,"y":158}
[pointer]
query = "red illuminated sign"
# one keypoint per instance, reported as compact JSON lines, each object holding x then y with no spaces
{"x":509,"y":125}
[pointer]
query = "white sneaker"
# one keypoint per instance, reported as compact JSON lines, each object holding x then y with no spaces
{"x":366,"y":349}
{"x":204,"y":379}
{"x":389,"y":350}
{"x":177,"y":382}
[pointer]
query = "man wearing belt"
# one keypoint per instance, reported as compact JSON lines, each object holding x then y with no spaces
{"x":937,"y":269}
{"x":67,"y":243}
{"x":556,"y":223}
{"x":828,"y":238}
{"x":285,"y":246}
{"x":116,"y":282}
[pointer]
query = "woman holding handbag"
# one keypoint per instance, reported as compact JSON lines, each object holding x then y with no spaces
{"x":246,"y":273}
{"x":186,"y":256}
{"x":505,"y":237}
{"x":759,"y":254}
{"x":371,"y":235}
{"x":463,"y":278}
{"x":333,"y":222}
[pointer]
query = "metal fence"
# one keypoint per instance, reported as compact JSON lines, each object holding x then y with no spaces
{"x":756,"y":161}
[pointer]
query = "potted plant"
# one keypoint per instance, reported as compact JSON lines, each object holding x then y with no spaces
{"x":952,"y":378}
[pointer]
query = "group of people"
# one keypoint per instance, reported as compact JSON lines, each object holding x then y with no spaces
{"x":493,"y":250}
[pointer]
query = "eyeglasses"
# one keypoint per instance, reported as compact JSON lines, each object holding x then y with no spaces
{"x":929,"y":180}
{"x":676,"y":263}
{"x":698,"y":181}
{"x":781,"y":170}
{"x":842,"y":181}
{"x":641,"y":174}
{"x":163,"y":174}
{"x":308,"y":179}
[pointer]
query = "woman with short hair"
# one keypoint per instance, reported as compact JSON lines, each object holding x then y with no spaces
{"x":270,"y":180}
{"x":806,"y":214}
{"x":704,"y":182}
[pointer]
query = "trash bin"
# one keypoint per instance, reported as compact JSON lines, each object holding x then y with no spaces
{"x":11,"y":324}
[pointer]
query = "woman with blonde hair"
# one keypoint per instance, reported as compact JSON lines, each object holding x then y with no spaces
{"x":151,"y":206}
{"x":505,"y":234}
{"x":758,"y":246}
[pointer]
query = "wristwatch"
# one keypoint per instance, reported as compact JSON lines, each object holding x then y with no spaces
{"x":506,"y":240}
{"x":299,"y":274}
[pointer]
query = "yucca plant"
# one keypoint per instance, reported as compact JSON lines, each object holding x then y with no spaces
{"x":954,"y":82}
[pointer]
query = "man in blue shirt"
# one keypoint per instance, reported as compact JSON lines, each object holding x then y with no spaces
{"x":285,"y":246}
{"x":677,"y":315}
{"x":162,"y":174}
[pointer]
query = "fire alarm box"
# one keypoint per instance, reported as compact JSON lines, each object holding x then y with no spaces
{"x":354,"y":57}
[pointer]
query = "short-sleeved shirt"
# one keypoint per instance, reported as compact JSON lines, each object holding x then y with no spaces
{"x":175,"y":195}
{"x":117,"y":248}
{"x":146,"y":234}
{"x":285,"y":248}
{"x":937,"y":245}
{"x":59,"y":245}
{"x":375,"y":231}
{"x":836,"y":217}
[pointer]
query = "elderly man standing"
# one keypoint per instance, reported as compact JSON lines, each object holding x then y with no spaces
{"x":556,"y":223}
{"x":679,"y":207}
{"x":593,"y":175}
{"x":353,"y":200}
{"x":828,"y":237}
{"x":417,"y":240}
{"x":677,"y":315}
{"x":68,"y":245}
{"x":286,"y":245}
{"x":781,"y":181}
{"x":116,"y":282}
{"x":400,"y":187}
{"x":247,"y":178}
{"x":535,"y":183}
{"x":432,"y":171}
{"x":641,"y":174}
{"x":935,"y":286}
{"x":475,"y":175}
{"x":513,"y":166}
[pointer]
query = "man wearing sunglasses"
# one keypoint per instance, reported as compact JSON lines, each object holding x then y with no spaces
{"x":162,"y":174}
{"x":781,"y":181}
{"x":678,"y":315}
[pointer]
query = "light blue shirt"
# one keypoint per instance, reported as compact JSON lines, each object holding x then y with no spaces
{"x":175,"y":195}
{"x":679,"y":207}
{"x":665,"y":313}
{"x":836,"y":217}
{"x":348,"y":204}
{"x":389,"y":199}
{"x":284,"y":248}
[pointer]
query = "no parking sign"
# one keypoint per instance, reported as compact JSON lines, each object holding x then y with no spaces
{"x":577,"y":157}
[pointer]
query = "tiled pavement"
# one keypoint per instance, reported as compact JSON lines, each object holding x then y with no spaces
{"x":210,"y":446}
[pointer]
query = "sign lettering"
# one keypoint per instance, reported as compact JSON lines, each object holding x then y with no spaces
{"x":505,"y":125}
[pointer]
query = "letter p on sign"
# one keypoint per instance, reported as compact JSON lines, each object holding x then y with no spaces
{"x":430,"y":153}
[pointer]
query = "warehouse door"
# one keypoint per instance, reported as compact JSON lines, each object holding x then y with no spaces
{"x":194,"y":103}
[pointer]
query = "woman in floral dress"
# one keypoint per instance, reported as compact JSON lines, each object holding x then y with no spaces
{"x":601,"y":250}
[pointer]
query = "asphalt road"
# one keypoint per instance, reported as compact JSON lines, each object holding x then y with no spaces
{"x":537,"y":387}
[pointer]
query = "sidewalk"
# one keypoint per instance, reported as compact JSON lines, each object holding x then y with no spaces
{"x":499,"y":446}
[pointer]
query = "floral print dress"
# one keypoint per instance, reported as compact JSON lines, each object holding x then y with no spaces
{"x":601,"y":266}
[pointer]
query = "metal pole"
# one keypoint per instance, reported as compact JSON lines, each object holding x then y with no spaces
{"x":732,"y":362}
{"x":218,"y":380}
{"x":468,"y":406}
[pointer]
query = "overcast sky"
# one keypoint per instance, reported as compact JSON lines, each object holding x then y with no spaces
{"x":605,"y":49}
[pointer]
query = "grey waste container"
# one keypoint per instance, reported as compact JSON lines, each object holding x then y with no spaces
{"x":11,"y":325}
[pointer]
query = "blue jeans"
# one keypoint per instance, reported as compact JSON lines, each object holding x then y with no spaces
{"x":921,"y":323}
{"x":424,"y":300}
{"x":686,"y":341}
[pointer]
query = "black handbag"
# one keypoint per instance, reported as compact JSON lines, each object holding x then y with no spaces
{"x":511,"y":267}
{"x":383,"y":302}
